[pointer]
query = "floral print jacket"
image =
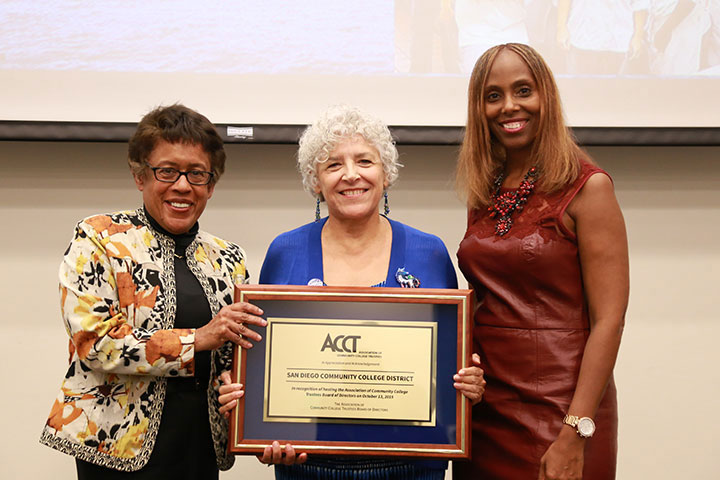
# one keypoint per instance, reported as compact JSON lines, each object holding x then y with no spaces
{"x":118,"y":301}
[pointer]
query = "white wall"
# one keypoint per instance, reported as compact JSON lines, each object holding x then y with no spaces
{"x":667,"y":377}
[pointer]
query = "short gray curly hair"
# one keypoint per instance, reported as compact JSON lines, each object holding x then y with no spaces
{"x":335,"y":125}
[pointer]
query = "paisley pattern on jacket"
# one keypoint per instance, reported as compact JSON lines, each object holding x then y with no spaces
{"x":118,"y":302}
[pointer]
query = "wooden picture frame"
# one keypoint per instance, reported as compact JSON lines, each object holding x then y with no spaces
{"x":386,"y":356}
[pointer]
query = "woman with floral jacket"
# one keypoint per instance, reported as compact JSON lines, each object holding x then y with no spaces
{"x":147,"y":301}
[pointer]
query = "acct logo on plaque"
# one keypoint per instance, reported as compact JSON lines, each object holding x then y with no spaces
{"x":340,"y":343}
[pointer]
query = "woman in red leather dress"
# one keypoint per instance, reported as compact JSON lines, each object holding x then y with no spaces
{"x":546,"y":252}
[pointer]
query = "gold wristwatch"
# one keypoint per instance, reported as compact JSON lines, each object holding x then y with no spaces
{"x":584,"y":426}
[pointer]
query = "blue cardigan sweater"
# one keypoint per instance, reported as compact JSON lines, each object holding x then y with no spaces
{"x":295,"y":257}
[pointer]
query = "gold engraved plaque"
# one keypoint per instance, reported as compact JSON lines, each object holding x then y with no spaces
{"x":325,"y":370}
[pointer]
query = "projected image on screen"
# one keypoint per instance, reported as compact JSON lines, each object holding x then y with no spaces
{"x":577,"y":37}
{"x":283,"y":61}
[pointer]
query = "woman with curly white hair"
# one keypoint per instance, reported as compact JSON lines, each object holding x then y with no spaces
{"x":348,"y":160}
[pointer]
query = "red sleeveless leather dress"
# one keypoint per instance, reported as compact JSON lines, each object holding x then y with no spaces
{"x":530,"y":330}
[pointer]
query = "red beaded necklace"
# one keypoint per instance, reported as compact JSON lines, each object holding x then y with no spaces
{"x":509,"y":202}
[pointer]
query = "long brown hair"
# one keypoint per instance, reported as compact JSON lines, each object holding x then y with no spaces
{"x":554,"y":150}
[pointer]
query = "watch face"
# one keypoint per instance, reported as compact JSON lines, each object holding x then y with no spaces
{"x":586,"y":427}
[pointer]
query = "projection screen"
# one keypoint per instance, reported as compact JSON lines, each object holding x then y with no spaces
{"x":619,"y":63}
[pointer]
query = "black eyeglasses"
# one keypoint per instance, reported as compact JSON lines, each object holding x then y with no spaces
{"x":171,"y":175}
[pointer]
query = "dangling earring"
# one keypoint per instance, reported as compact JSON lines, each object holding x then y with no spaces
{"x":317,"y":209}
{"x":387,"y":207}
